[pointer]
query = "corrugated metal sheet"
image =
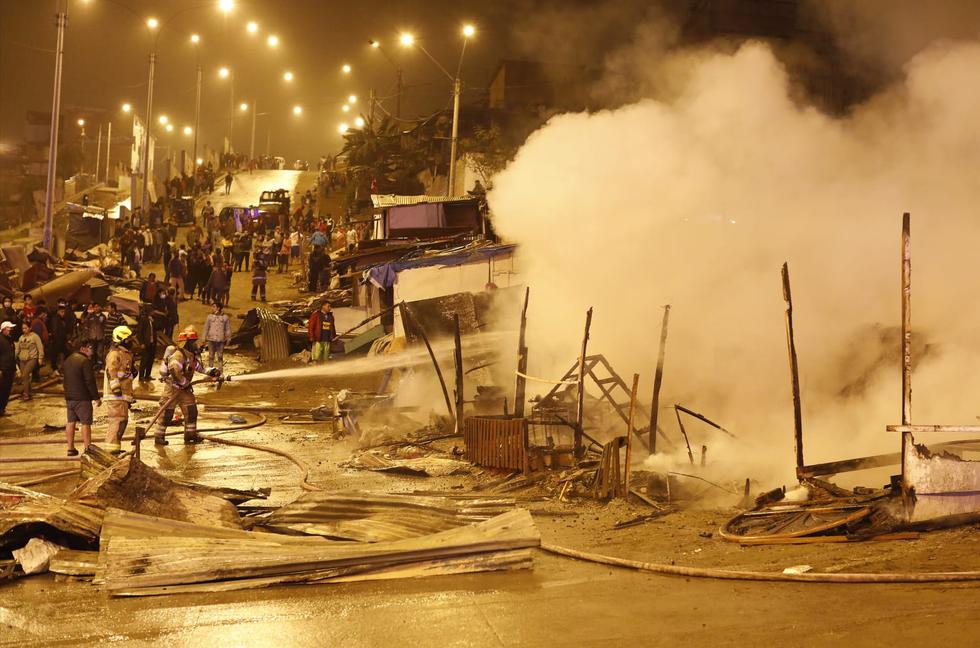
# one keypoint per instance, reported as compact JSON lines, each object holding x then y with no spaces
{"x":25,"y":513}
{"x":391,"y":200}
{"x":275,"y":339}
{"x":497,"y":442}
{"x":369,"y":517}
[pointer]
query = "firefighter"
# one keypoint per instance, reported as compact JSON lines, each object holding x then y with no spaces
{"x":177,"y":371}
{"x":118,"y":387}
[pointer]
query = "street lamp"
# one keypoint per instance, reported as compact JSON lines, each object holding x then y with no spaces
{"x":345,"y":108}
{"x":343,"y":128}
{"x":226,"y":5}
{"x":252,"y":27}
{"x":272,"y":41}
{"x":398,"y":77}
{"x":163,"y":120}
{"x":195,"y":39}
{"x":287,"y":76}
{"x":81,"y":123}
{"x":468,"y":32}
{"x":352,"y":99}
{"x":152,"y":23}
{"x":359,"y":122}
{"x":297,"y":110}
{"x":188,"y":130}
{"x":126,"y":108}
{"x":227,"y":73}
{"x":224,"y":73}
{"x":345,"y":68}
{"x":243,"y":106}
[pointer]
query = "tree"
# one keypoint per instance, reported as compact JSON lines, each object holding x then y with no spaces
{"x":378,"y":154}
{"x":489,"y":152}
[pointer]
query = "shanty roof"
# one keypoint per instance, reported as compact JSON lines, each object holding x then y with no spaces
{"x":391,"y":200}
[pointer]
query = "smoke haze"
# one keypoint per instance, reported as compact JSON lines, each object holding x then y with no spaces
{"x":696,"y":200}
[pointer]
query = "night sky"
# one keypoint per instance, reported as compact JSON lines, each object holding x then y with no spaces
{"x":107,"y":45}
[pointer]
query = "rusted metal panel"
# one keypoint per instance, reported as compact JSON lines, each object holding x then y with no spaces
{"x":275,"y":339}
{"x":497,"y":442}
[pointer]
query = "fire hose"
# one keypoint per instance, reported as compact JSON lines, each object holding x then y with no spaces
{"x":725,"y":574}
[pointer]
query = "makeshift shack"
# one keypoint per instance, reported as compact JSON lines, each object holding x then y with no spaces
{"x":427,"y":217}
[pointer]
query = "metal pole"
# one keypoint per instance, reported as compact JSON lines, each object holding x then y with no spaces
{"x":906,"y":342}
{"x":231,"y":121}
{"x":197,"y":120}
{"x":251,"y":146}
{"x":98,"y":154}
{"x":62,"y":22}
{"x":145,"y":203}
{"x":371,"y":110}
{"x":108,"y":151}
{"x":451,"y":189}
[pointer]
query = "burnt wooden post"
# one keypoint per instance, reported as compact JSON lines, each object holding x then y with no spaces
{"x":658,"y":379}
{"x":629,"y":436}
{"x":458,"y":361}
{"x":794,"y":373}
{"x":906,"y":337}
{"x":580,"y":415}
{"x":408,"y":315}
{"x":680,"y":424}
{"x":519,"y":391}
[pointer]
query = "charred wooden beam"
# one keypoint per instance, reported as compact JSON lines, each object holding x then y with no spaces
{"x":521,"y":386}
{"x":794,"y":373}
{"x":658,"y":378}
{"x":580,"y":411}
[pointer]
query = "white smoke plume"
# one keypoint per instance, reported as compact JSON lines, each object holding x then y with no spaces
{"x":697,"y":201}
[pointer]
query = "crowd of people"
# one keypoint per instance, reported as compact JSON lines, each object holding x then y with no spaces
{"x":81,"y":341}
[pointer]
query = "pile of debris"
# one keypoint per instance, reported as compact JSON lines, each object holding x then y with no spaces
{"x":134,"y":532}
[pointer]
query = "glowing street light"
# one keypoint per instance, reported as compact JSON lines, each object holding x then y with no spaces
{"x":152,"y":23}
{"x":126,"y":108}
{"x":226,"y":5}
{"x":243,"y":106}
{"x":297,"y":110}
{"x":170,"y":128}
{"x":287,"y":76}
{"x":224,"y":73}
{"x":345,"y":108}
{"x":343,"y":128}
{"x":163,"y":119}
{"x":81,"y":122}
{"x":345,"y":69}
{"x":195,"y":38}
{"x":359,"y":122}
{"x":352,"y":99}
{"x":188,"y":130}
{"x":373,"y":43}
{"x":272,"y":41}
{"x":252,"y":27}
{"x":200,"y":161}
{"x":469,"y":31}
{"x":406,"y":39}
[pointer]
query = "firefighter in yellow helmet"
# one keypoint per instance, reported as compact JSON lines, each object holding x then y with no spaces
{"x":118,"y":387}
{"x":177,"y":372}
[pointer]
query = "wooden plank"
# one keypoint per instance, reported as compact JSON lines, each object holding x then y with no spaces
{"x":521,"y":385}
{"x":580,"y":409}
{"x":906,"y":342}
{"x":458,"y":365}
{"x":629,"y":436}
{"x":928,"y":429}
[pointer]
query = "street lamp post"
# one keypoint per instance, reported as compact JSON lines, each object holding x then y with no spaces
{"x":398,"y":77}
{"x":62,"y":22}
{"x":468,"y":31}
{"x":145,"y":202}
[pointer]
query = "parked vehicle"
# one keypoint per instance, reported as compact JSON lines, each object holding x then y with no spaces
{"x":182,"y":210}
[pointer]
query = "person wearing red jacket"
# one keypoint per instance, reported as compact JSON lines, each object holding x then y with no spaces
{"x":321,"y":332}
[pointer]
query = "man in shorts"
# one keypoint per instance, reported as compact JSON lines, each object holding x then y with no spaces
{"x":80,"y":392}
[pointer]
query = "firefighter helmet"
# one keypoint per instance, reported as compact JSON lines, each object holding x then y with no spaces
{"x":189,"y":333}
{"x":121,"y":334}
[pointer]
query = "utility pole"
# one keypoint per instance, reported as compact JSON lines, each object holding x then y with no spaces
{"x":98,"y":154}
{"x":398,"y":96}
{"x":450,"y":189}
{"x":62,"y":23}
{"x":371,"y":109}
{"x":145,"y":203}
{"x":231,"y":120}
{"x":108,"y":151}
{"x":251,"y":146}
